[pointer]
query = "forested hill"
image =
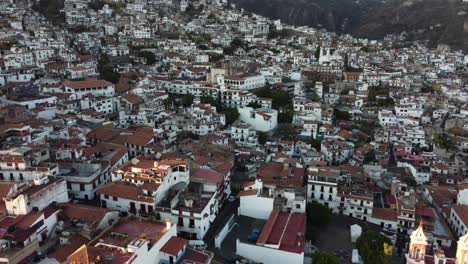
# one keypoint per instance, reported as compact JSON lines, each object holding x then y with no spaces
{"x":438,"y":21}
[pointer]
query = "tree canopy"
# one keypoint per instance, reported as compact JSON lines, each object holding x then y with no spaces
{"x":318,"y":216}
{"x":149,"y":57}
{"x":373,"y":248}
{"x":281,"y":101}
{"x":51,"y":10}
{"x":263,"y":137}
{"x":325,"y":258}
{"x":106,"y":70}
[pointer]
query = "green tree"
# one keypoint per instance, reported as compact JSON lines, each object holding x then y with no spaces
{"x":325,"y":258}
{"x":168,"y":103}
{"x":263,"y":137}
{"x":237,"y":43}
{"x":106,"y":70}
{"x":341,"y":115}
{"x":365,"y":49}
{"x":51,"y":10}
{"x":371,"y":246}
{"x":254,"y":105}
{"x":318,"y":216}
{"x":317,"y":53}
{"x":317,"y":144}
{"x":443,"y":141}
{"x":370,"y":156}
{"x":149,"y":57}
{"x":187,"y":100}
{"x":231,"y":115}
{"x":286,"y":130}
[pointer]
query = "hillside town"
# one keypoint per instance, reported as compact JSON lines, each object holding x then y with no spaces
{"x":194,"y":132}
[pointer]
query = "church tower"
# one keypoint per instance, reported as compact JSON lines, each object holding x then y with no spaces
{"x":417,"y":248}
{"x":462,"y":250}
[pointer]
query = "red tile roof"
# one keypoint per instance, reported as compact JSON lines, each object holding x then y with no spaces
{"x":462,"y":212}
{"x":90,"y":214}
{"x":125,"y":191}
{"x":88,"y":83}
{"x":286,"y":230}
{"x":74,"y":242}
{"x":207,"y":176}
{"x":174,"y":245}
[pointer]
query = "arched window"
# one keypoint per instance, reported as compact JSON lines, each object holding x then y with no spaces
{"x":418,"y":253}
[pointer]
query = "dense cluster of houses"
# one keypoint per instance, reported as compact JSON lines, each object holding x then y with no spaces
{"x":167,"y":131}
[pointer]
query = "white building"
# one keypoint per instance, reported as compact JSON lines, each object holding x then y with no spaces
{"x":83,"y":179}
{"x":335,"y":151}
{"x":458,"y":219}
{"x":19,"y":168}
{"x":89,"y":86}
{"x":243,"y":134}
{"x":244,"y":81}
{"x":100,"y":104}
{"x":260,"y":119}
{"x":37,"y":194}
{"x":281,"y":240}
{"x":387,"y":118}
{"x":139,"y":185}
{"x":322,"y":187}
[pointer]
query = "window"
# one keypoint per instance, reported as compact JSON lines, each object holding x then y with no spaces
{"x":82,"y":187}
{"x":114,"y":198}
{"x":69,"y":186}
{"x":106,"y":196}
{"x":298,"y":206}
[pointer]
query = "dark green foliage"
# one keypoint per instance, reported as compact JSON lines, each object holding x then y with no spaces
{"x":106,"y":70}
{"x":317,"y":144}
{"x":443,"y":141}
{"x":325,"y":258}
{"x":96,"y":4}
{"x":318,"y":216}
{"x":254,"y":105}
{"x":282,"y":101}
{"x":208,"y":100}
{"x":231,"y":115}
{"x":7,"y":45}
{"x":370,"y":156}
{"x":149,"y":57}
{"x":217,"y":57}
{"x":317,"y":53}
{"x":371,"y":248}
{"x":341,"y":115}
{"x":263,"y":137}
{"x":51,"y":10}
{"x":187,"y":100}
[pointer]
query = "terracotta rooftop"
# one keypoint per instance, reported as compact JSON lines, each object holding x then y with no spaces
{"x":87,"y":213}
{"x":462,"y":212}
{"x":125,"y":191}
{"x":384,"y":214}
{"x":74,"y":242}
{"x":88,"y":83}
{"x":207,"y":176}
{"x":174,"y":245}
{"x":286,"y":230}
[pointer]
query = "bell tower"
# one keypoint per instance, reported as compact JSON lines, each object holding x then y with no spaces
{"x":417,"y":248}
{"x":462,"y":250}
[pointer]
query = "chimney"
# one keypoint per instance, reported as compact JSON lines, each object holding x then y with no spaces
{"x":168,"y":223}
